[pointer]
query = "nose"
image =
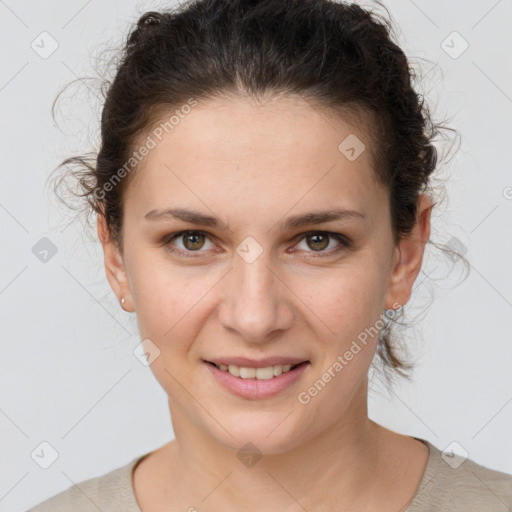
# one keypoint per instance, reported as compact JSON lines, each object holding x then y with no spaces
{"x":257,"y":303}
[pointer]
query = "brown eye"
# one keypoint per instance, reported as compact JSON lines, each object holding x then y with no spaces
{"x":193,"y":241}
{"x":319,"y":241}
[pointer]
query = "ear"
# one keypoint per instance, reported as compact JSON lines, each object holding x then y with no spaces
{"x":114,"y":266}
{"x":409,"y":256}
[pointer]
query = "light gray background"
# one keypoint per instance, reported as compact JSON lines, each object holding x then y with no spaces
{"x":68,"y":375}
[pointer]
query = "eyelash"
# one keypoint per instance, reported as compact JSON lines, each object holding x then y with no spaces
{"x":344,"y":242}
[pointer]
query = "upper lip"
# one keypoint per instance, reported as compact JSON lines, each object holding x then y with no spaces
{"x":256,"y":363}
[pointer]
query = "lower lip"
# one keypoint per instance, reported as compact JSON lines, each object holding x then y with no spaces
{"x":255,"y":388}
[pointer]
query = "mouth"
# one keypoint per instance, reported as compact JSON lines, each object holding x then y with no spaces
{"x":264,"y":382}
{"x":262,"y":373}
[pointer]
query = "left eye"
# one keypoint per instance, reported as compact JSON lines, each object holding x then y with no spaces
{"x":320,"y":240}
{"x":193,"y":241}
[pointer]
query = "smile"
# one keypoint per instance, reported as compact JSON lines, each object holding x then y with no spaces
{"x":256,"y":383}
{"x":245,"y":372}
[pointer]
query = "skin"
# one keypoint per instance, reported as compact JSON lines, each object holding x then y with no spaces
{"x":231,"y":158}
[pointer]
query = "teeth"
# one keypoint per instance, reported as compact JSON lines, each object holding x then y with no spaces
{"x":234,"y":370}
{"x":245,"y":372}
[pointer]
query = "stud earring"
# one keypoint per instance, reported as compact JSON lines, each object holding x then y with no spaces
{"x":122,"y":302}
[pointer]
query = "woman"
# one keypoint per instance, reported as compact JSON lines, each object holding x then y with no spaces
{"x":261,"y":192}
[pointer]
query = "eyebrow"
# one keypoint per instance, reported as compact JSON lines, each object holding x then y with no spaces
{"x":296,"y":221}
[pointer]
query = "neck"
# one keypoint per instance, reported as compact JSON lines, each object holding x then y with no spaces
{"x":344,"y":456}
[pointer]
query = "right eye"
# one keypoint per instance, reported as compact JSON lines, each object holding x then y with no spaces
{"x":192,"y":241}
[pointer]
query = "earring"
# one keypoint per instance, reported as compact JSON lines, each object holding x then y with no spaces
{"x":122,"y":302}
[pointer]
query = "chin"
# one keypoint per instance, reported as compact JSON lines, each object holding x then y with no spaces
{"x":264,"y":433}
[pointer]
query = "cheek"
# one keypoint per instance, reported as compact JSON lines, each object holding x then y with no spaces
{"x":156,"y":300}
{"x":168,"y":301}
{"x":172,"y":301}
{"x":343,"y":302}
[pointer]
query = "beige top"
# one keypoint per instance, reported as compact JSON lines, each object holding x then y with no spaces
{"x":453,"y":487}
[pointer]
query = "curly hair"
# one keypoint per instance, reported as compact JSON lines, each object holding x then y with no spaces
{"x":333,"y":54}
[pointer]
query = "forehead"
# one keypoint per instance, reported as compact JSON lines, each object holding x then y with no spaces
{"x":276,"y":152}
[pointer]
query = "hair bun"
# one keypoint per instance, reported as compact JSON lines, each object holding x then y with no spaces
{"x":149,"y":18}
{"x":144,"y":26}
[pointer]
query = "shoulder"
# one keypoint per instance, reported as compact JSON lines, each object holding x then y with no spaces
{"x":455,"y":483}
{"x":111,"y":491}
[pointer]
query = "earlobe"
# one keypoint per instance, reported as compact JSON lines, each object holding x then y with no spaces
{"x":409,"y":256}
{"x":114,"y":265}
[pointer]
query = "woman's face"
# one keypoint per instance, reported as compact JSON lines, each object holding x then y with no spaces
{"x":254,"y":282}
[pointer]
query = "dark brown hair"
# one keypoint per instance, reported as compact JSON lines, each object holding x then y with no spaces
{"x":335,"y":55}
